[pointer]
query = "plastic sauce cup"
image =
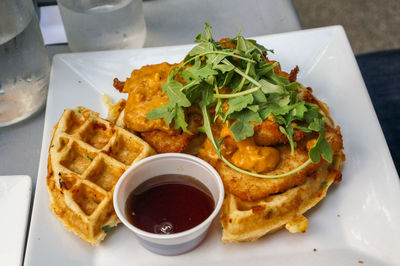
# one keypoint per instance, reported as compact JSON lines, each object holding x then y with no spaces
{"x":162,"y":164}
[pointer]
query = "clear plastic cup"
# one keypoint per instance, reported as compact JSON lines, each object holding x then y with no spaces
{"x":103,"y":24}
{"x":24,"y":63}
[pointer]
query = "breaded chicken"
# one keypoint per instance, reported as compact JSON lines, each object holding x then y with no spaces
{"x":267,"y":133}
{"x":162,"y":142}
{"x":145,"y":93}
{"x":251,"y":188}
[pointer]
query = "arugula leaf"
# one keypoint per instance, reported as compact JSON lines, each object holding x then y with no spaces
{"x":292,"y":86}
{"x":201,"y":49}
{"x":321,"y":148}
{"x":208,"y":32}
{"x":180,"y":120}
{"x":170,"y":115}
{"x":193,"y":93}
{"x":267,"y":69}
{"x":160,"y":112}
{"x":239,"y":103}
{"x":245,"y":45}
{"x":253,"y":107}
{"x":224,"y":68}
{"x":299,"y":110}
{"x":106,"y":228}
{"x":198,"y":73}
{"x":311,"y":113}
{"x":259,"y":97}
{"x":176,"y":96}
{"x":207,"y":98}
{"x":282,"y":100}
{"x":254,"y":93}
{"x":215,"y":59}
{"x":200,"y":38}
{"x":316,"y":125}
{"x":268,"y":87}
{"x":242,"y":128}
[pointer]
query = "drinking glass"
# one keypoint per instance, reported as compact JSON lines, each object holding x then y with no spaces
{"x":24,"y":63}
{"x":103,"y":24}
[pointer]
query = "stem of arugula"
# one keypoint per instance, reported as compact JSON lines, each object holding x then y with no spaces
{"x":237,"y":70}
{"x":219,"y":102}
{"x":218,"y":52}
{"x":189,"y":85}
{"x":239,"y":88}
{"x":227,"y":96}
{"x":266,"y":176}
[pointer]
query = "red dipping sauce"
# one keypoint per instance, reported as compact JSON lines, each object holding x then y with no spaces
{"x":169,"y":204}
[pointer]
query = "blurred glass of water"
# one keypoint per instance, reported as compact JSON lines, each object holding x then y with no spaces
{"x":24,"y":63}
{"x":103,"y":24}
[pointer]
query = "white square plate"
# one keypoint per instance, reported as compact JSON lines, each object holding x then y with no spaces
{"x":15,"y":199}
{"x":358,"y":221}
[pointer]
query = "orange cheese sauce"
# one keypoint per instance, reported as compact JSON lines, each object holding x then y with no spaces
{"x":145,"y":93}
{"x":245,"y":154}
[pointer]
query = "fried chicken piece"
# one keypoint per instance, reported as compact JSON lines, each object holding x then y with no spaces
{"x":145,"y":93}
{"x":248,"y":155}
{"x":267,"y":133}
{"x":162,"y":142}
{"x":251,"y":188}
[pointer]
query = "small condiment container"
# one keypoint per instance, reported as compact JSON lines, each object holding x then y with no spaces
{"x":162,"y":164}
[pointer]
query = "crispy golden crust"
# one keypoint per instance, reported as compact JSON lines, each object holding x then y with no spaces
{"x":267,"y":133}
{"x":163,"y":142}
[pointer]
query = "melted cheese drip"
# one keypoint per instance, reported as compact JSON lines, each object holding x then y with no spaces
{"x":247,"y":155}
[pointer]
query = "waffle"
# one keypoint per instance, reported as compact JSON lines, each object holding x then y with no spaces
{"x":249,"y":220}
{"x":87,"y":156}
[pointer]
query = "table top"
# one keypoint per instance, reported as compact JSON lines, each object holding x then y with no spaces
{"x":168,"y":22}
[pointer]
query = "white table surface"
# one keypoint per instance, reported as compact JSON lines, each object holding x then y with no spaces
{"x":15,"y":198}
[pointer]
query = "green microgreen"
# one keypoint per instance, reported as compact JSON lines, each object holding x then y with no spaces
{"x":106,"y":228}
{"x":256,"y":92}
